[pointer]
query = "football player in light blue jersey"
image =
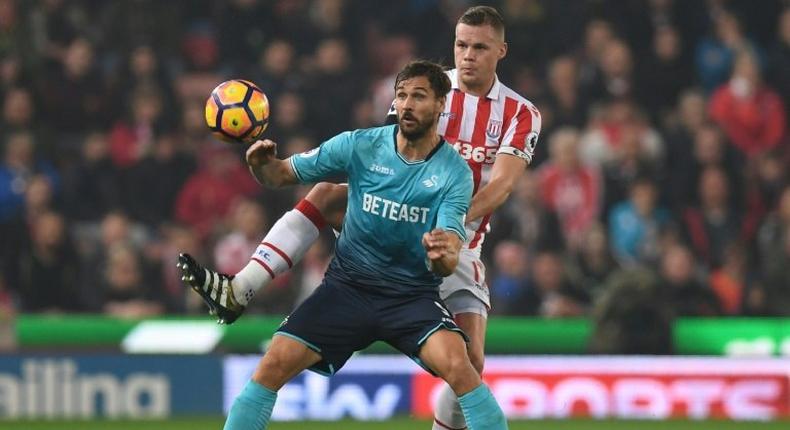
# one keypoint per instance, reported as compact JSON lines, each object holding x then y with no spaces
{"x":395,"y":196}
{"x":403,"y":230}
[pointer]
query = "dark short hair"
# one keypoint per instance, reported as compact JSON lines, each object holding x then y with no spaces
{"x":483,"y":15}
{"x":440,"y":83}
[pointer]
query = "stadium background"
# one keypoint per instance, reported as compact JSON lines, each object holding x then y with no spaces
{"x":655,"y":218}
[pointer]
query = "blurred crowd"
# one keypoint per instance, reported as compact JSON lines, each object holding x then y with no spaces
{"x":664,"y":154}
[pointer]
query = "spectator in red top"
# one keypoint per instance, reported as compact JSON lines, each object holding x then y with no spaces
{"x":233,"y":250}
{"x":569,"y":188}
{"x":132,"y":139}
{"x":209,"y":194}
{"x":751,"y":113}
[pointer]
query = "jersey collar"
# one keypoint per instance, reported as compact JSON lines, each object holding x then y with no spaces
{"x":493,"y":94}
{"x":428,"y":157}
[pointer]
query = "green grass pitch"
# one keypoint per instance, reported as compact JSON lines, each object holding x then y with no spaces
{"x":398,"y":424}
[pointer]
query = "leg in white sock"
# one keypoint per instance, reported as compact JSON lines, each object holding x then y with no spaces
{"x":470,"y":314}
{"x":448,"y":414}
{"x":284,"y":245}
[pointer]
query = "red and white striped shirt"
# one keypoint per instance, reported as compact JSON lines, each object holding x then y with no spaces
{"x":480,"y":128}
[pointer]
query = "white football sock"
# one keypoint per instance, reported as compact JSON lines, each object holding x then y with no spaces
{"x":448,"y":414}
{"x":285,"y":245}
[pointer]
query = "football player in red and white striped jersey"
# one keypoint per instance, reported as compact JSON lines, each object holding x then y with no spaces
{"x":493,"y":128}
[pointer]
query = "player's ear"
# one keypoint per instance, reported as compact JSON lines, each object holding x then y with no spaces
{"x":502,"y":50}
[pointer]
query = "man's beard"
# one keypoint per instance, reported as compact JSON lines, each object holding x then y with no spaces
{"x":420,"y":128}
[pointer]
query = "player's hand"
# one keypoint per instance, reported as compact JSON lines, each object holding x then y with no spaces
{"x":436,"y":243}
{"x":261,"y":153}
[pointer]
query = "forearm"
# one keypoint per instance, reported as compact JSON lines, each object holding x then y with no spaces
{"x":505,"y":174}
{"x":274,"y":174}
{"x":487,"y":200}
{"x":445,"y":265}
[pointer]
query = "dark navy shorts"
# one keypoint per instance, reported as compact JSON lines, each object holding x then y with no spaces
{"x":339,"y":319}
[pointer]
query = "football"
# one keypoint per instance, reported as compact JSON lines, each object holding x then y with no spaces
{"x":237,"y":111}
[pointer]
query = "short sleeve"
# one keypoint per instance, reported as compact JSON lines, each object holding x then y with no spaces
{"x":521,"y":136}
{"x":457,"y":198}
{"x":333,"y":157}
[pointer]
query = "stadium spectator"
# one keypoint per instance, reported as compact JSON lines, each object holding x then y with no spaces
{"x":192,"y":128}
{"x":8,"y":313}
{"x":143,"y":69}
{"x":632,"y":163}
{"x":241,"y":32}
{"x":175,"y":238}
{"x":47,"y":276}
{"x":288,"y":116}
{"x":593,"y":263}
{"x":154,"y":182}
{"x":770,"y":239}
{"x":132,"y":139}
{"x":18,"y":110}
{"x":708,"y":148}
{"x":52,"y":28}
{"x":17,"y":231}
{"x":769,"y":176}
{"x":92,"y":185}
{"x":635,"y":225}
{"x":331,"y":88}
{"x":511,"y":290}
{"x":713,"y":223}
{"x":601,"y":142}
{"x":525,"y":218}
{"x":127,"y":291}
{"x":559,"y":296}
{"x":664,"y":73}
{"x":679,"y":277}
{"x":248,"y":223}
{"x":565,"y":105}
{"x":13,"y":73}
{"x":94,"y":243}
{"x":276,"y":71}
{"x":779,"y":66}
{"x":597,"y":35}
{"x":72,"y":93}
{"x":18,"y":167}
{"x":207,"y":196}
{"x":773,"y":298}
{"x":731,"y":281}
{"x":715,"y":54}
{"x":751,"y":113}
{"x":201,"y":62}
{"x":569,"y":188}
{"x":616,"y":79}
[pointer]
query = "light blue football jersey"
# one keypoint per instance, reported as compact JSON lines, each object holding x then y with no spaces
{"x":392,"y":202}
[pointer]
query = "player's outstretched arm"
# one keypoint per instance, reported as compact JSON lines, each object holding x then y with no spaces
{"x":267,"y":168}
{"x":442,"y":248}
{"x":505,"y":174}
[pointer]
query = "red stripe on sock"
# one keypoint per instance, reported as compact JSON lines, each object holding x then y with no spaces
{"x":279,"y":251}
{"x":265,"y":266}
{"x":441,"y":424}
{"x":311,"y":212}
